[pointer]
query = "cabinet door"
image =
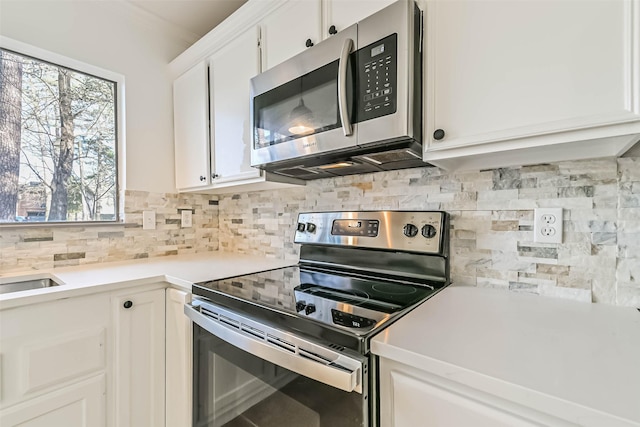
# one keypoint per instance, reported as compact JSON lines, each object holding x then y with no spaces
{"x":179,"y":359}
{"x":79,"y":405}
{"x":230,"y":70}
{"x":410,"y":397}
{"x":191,"y":127}
{"x":139,"y":362}
{"x":502,"y":70}
{"x":285,"y":31}
{"x":343,"y":13}
{"x":43,"y":346}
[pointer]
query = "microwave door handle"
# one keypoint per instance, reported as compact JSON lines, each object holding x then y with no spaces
{"x":342,"y":87}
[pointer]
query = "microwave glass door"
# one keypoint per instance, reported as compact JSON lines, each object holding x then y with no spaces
{"x":307,"y":105}
{"x":233,"y":388}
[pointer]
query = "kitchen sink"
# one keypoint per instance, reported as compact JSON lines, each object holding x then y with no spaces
{"x":25,"y":285}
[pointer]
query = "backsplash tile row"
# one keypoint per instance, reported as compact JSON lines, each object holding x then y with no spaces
{"x":35,"y":248}
{"x":491,"y":228}
{"x":492,"y":222}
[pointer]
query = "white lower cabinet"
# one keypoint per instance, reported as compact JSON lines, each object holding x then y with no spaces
{"x":410,"y":397}
{"x":53,"y":362}
{"x":78,"y":405}
{"x":98,"y":360}
{"x":179,"y":336}
{"x":138,"y":358}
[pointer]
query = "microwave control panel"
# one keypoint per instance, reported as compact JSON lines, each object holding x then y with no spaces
{"x":377,"y":68}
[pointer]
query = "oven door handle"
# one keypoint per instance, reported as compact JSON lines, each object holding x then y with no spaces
{"x":299,"y":361}
{"x":342,"y":87}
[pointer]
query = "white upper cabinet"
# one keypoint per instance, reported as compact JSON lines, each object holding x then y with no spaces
{"x":530,"y":76}
{"x":298,"y":25}
{"x":342,"y":13}
{"x":289,"y":30}
{"x":230,"y":70}
{"x":191,"y":128}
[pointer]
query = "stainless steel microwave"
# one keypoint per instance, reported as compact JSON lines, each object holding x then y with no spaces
{"x":350,"y":104}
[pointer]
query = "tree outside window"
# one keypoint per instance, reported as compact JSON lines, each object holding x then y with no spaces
{"x":58,"y":143}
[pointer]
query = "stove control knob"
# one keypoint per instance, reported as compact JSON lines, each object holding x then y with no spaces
{"x":410,"y":230}
{"x":311,"y":227}
{"x":300,"y":305}
{"x":428,"y":231}
{"x":310,"y":309}
{"x":301,"y":227}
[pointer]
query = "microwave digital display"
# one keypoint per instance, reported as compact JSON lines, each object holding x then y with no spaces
{"x":377,"y":50}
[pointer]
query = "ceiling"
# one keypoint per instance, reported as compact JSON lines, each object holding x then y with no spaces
{"x":195,"y":16}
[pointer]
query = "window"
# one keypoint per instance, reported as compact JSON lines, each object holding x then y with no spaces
{"x":59,"y":147}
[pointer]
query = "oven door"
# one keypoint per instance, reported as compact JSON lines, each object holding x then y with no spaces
{"x":248,"y":374}
{"x":302,"y":106}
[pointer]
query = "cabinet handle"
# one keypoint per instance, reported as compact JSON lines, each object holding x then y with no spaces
{"x":203,"y":178}
{"x":438,"y":134}
{"x":127,"y":304}
{"x":308,"y":43}
{"x":332,"y":30}
{"x":214,"y":176}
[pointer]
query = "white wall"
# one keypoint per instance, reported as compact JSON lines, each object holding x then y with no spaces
{"x":118,"y":38}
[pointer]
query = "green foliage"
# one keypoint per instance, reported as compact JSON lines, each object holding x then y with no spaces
{"x":92,"y":185}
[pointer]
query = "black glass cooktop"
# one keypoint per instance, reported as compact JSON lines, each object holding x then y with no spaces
{"x":277,"y":289}
{"x":374,"y":294}
{"x":317,"y":302}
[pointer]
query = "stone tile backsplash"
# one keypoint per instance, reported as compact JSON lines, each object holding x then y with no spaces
{"x":491,"y":222}
{"x":491,"y":225}
{"x":34,"y":248}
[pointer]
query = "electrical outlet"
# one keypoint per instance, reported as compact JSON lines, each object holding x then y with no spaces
{"x":547,"y":225}
{"x":187,"y":218}
{"x":149,"y":220}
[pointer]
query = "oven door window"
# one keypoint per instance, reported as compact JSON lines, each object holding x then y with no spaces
{"x":233,"y":388}
{"x":304,"y":106}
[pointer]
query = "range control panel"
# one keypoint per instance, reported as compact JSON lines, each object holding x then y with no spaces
{"x":355,"y":227}
{"x":377,"y":68}
{"x":350,"y":320}
{"x":414,"y":231}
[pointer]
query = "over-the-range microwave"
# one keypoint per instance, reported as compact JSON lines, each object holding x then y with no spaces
{"x":350,"y":104}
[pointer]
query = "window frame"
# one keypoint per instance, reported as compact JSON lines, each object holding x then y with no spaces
{"x":53,"y":58}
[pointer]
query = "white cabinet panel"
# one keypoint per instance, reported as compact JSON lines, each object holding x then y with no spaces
{"x":285,"y":30}
{"x":506,"y":70}
{"x":191,"y":128}
{"x":411,"y":397}
{"x":179,"y":345}
{"x":230,"y":70}
{"x":79,"y":405}
{"x":420,"y":403}
{"x":343,"y":13}
{"x":53,"y":361}
{"x":139,"y":359}
{"x":45,"y":347}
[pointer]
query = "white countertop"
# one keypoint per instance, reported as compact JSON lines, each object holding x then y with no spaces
{"x":180,"y":270}
{"x":528,"y":349}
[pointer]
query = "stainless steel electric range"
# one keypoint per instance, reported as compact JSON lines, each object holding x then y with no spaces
{"x":290,"y":346}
